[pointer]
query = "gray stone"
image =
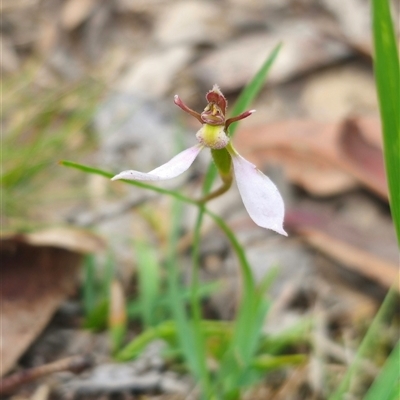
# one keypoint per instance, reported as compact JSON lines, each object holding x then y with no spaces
{"x":191,"y":22}
{"x":304,"y":49}
{"x":153,"y":74}
{"x":134,"y":133}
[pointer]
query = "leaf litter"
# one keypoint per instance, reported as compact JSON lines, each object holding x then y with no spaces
{"x":333,"y":168}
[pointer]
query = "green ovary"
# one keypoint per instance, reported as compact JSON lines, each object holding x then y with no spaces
{"x":212,"y":136}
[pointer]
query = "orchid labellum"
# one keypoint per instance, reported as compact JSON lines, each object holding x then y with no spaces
{"x":260,"y":196}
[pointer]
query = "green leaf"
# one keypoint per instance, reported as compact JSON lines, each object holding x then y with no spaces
{"x":89,"y":285}
{"x":252,"y":310}
{"x":386,"y":385}
{"x":387,"y":77}
{"x":250,"y":92}
{"x":96,"y":319}
{"x":187,"y":333}
{"x":149,"y":279}
{"x":167,"y":331}
{"x":367,"y":345}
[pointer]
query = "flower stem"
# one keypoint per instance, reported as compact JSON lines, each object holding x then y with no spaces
{"x":221,"y":190}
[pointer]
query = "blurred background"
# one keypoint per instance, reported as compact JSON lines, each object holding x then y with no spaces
{"x":92,"y":81}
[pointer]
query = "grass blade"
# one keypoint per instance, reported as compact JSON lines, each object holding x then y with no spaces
{"x":149,"y":279}
{"x":89,"y":285}
{"x":250,"y":92}
{"x":367,"y":344}
{"x":386,"y":385}
{"x":387,"y":77}
{"x":194,"y":356}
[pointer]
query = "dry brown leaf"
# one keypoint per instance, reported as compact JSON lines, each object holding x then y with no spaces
{"x":324,"y":158}
{"x":361,"y":261}
{"x":369,"y":253}
{"x":362,"y":158}
{"x":38,"y":272}
{"x":74,"y":12}
{"x":77,"y":240}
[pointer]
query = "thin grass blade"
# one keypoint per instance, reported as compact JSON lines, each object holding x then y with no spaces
{"x":367,"y":345}
{"x":149,"y":278}
{"x":387,"y":77}
{"x":385,"y":385}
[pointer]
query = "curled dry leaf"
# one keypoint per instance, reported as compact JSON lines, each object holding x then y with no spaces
{"x":323,"y":158}
{"x":38,"y":272}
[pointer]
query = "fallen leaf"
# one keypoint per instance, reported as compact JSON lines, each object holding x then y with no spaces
{"x":74,"y":12}
{"x":324,"y":158}
{"x":77,"y":240}
{"x":372,"y":254}
{"x":361,"y":261}
{"x":362,"y":157}
{"x":336,"y":93}
{"x":38,"y":272}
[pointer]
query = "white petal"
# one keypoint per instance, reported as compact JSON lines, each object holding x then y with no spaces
{"x":174,"y":167}
{"x":260,"y":196}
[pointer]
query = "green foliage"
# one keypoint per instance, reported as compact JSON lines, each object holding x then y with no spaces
{"x":387,"y":384}
{"x":367,"y":346}
{"x":218,"y":335}
{"x":96,"y":292}
{"x":151,"y":305}
{"x":149,"y":280}
{"x":40,"y":126}
{"x":238,"y":345}
{"x":240,"y":351}
{"x":387,"y":77}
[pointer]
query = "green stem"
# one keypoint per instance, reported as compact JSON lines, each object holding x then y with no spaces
{"x":195,"y":300}
{"x":220,"y":191}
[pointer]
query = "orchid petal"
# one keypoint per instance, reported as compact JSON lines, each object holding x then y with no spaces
{"x":260,"y":196}
{"x":174,"y":167}
{"x":238,"y":118}
{"x":184,"y":107}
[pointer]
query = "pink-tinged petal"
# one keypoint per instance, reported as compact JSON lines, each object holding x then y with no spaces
{"x":174,"y":167}
{"x":260,"y":196}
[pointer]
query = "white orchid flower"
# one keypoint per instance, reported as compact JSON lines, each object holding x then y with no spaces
{"x":260,"y":196}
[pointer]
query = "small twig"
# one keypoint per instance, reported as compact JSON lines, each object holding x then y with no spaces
{"x":75,"y":364}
